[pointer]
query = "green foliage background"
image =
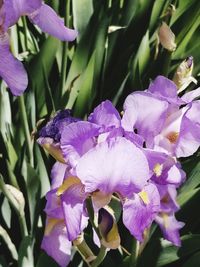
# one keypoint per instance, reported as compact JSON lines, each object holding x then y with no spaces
{"x":99,"y":65}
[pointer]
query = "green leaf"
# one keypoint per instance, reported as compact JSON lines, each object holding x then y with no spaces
{"x":33,"y":187}
{"x":25,"y":253}
{"x":193,"y":261}
{"x":45,"y":57}
{"x":45,"y":260}
{"x":83,"y":101}
{"x":82,"y":11}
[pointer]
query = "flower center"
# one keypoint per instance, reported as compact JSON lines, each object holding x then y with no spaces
{"x":172,"y":137}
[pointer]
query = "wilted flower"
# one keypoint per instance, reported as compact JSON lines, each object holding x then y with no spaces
{"x":11,"y":70}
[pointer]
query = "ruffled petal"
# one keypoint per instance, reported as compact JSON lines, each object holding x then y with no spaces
{"x":12,"y":70}
{"x":56,"y":244}
{"x":105,"y":115}
{"x":113,"y":166}
{"x":48,"y":21}
{"x":147,"y":121}
{"x":77,"y":138}
{"x":140,"y":211}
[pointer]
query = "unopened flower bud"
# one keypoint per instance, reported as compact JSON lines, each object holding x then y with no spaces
{"x":18,"y":196}
{"x":167,"y":37}
{"x":183,"y":75}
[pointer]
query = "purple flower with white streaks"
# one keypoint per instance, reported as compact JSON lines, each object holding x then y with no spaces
{"x":12,"y":70}
{"x":169,"y":123}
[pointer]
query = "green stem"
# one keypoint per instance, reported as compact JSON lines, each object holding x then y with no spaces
{"x":24,"y":120}
{"x":100,"y":257}
{"x":64,"y":53}
{"x":135,"y":253}
{"x":85,"y":251}
{"x":166,"y":62}
{"x":25,"y":32}
{"x":90,"y":211}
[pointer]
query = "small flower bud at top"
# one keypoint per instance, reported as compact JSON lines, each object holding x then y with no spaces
{"x":183,"y":75}
{"x":167,"y":37}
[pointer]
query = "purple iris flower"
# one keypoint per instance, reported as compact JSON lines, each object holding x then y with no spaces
{"x":169,"y":123}
{"x":119,"y":167}
{"x":12,"y":70}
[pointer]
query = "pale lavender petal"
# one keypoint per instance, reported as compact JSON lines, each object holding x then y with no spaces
{"x":57,"y":245}
{"x":190,"y":96}
{"x":53,"y":207}
{"x":48,"y":21}
{"x":113,"y":166}
{"x":170,"y":227}
{"x":14,"y":9}
{"x":189,"y":137}
{"x":73,"y":209}
{"x":11,"y":70}
{"x":105,"y":115}
{"x":146,"y":114}
{"x":168,"y":194}
{"x":58,"y":174}
{"x":77,"y":138}
{"x":166,"y":89}
{"x":138,"y":214}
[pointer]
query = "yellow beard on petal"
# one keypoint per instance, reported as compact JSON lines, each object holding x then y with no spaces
{"x":144,"y":196}
{"x":158,"y":169}
{"x":172,"y":137}
{"x":50,"y":225}
{"x":72,"y":180}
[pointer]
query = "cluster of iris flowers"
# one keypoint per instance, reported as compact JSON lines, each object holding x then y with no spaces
{"x":131,"y":157}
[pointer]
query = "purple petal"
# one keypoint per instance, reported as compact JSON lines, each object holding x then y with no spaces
{"x":73,"y":209}
{"x":11,"y":70}
{"x":168,"y":196}
{"x":190,"y":96}
{"x":77,"y":138}
{"x":170,"y":227}
{"x":58,"y":174}
{"x":189,"y":138}
{"x":48,"y":21}
{"x":105,"y":115}
{"x":149,"y":120}
{"x":53,"y":206}
{"x":114,"y":166}
{"x":14,"y":9}
{"x":166,"y":89}
{"x":138,"y":214}
{"x":57,"y":245}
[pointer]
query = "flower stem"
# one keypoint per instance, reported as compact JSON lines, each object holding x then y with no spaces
{"x":91,"y":216}
{"x":24,"y":120}
{"x":100,"y":257}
